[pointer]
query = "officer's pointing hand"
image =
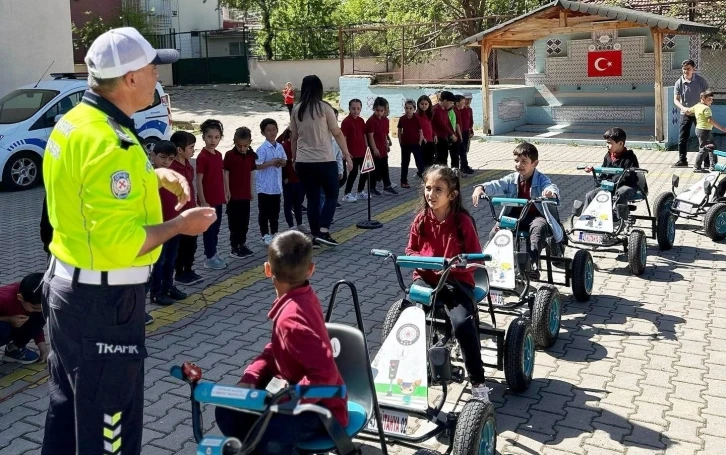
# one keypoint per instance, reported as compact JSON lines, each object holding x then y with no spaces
{"x":195,"y":221}
{"x":174,"y":183}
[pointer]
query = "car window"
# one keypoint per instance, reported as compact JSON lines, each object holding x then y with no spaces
{"x":20,"y":105}
{"x":61,"y":107}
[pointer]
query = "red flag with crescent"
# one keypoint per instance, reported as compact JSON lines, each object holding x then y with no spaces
{"x":604,"y":63}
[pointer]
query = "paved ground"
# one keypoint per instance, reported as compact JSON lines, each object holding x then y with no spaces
{"x":639,"y":369}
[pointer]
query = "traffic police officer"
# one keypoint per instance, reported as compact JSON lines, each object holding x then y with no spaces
{"x":103,"y":203}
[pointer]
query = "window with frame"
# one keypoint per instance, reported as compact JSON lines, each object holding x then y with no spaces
{"x":236,"y":49}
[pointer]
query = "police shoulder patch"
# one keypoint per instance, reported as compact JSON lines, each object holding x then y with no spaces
{"x":120,"y":184}
{"x":126,"y":139}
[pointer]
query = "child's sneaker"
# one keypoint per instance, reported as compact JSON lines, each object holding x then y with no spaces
{"x":214,"y":264}
{"x":196,"y":277}
{"x":390,"y":190}
{"x":267,"y":239}
{"x":148,"y":319}
{"x":363,"y":195}
{"x":375,"y":192}
{"x":176,"y":294}
{"x":20,"y":355}
{"x":338,"y":205}
{"x":405,"y":185}
{"x":162,"y":299}
{"x":480,"y":392}
{"x":350,"y":197}
{"x":303,"y":228}
{"x":699,"y":170}
{"x":244,"y":252}
{"x":185,"y":279}
{"x":220,"y":261}
{"x":326,"y":239}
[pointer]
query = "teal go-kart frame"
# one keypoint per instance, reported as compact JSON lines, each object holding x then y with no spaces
{"x":703,"y":201}
{"x":508,"y":272}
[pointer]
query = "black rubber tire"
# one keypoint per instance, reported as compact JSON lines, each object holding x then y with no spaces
{"x":543,"y":299}
{"x":392,"y":316}
{"x":469,"y":426}
{"x":662,"y":234}
{"x":709,"y":221}
{"x":9,"y":184}
{"x":636,"y":262}
{"x":662,"y":202}
{"x":579,"y":267}
{"x":517,"y":379}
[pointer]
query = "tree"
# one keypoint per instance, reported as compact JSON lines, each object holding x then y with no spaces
{"x":126,"y":16}
{"x":266,"y":8}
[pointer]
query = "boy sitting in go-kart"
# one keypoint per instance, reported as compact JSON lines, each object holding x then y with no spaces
{"x":527,"y":182}
{"x":299,"y":353}
{"x":616,"y":156}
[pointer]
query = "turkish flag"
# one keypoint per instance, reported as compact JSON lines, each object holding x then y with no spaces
{"x":604,"y":63}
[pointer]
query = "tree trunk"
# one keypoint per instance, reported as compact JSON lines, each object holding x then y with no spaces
{"x":267,"y":44}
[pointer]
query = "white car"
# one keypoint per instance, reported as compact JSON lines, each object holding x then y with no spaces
{"x":28,"y":115}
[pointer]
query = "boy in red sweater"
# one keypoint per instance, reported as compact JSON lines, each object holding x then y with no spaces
{"x":238,"y":166}
{"x":445,"y":130}
{"x":299,"y":352}
{"x":21,"y":319}
{"x":182,"y":164}
{"x":354,"y":130}
{"x":377,"y":129}
{"x":410,"y":138}
{"x":161,"y":287}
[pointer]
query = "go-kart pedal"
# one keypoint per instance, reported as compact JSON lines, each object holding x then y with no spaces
{"x":458,"y":375}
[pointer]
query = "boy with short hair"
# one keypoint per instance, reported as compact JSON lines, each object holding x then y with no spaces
{"x":526,"y":183}
{"x":445,"y":129}
{"x":161,"y":287}
{"x":300,"y":351}
{"x":467,"y":132}
{"x":617,"y":156}
{"x":271,"y":158}
{"x":704,"y":125}
{"x":239,"y":163}
{"x":182,"y":164}
{"x":21,"y":319}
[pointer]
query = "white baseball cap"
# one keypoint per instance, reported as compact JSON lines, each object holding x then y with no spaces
{"x":122,"y":50}
{"x":467,"y":95}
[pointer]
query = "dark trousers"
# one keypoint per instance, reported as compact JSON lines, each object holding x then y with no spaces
{"x":282,"y":435}
{"x":211,"y":235}
{"x":623,"y":193}
{"x":444,"y":149}
{"x":460,"y":310}
{"x":268,"y":207}
{"x":238,"y":219}
{"x":293,"y":195}
{"x":538,"y":230}
{"x":162,"y":276}
{"x":428,"y":151}
{"x":357,"y":165}
{"x":289,"y":108}
{"x":685,"y":133}
{"x":464,"y":150}
{"x":20,"y":336}
{"x":381,"y":173}
{"x":406,"y":152}
{"x":705,"y":148}
{"x":96,"y":366}
{"x":316,"y":177}
{"x":185,"y":254}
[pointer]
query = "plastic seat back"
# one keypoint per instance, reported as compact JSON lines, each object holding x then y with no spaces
{"x":642,"y":183}
{"x":352,"y":362}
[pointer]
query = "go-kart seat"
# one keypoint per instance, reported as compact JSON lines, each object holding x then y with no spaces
{"x":354,"y":368}
{"x":642,"y":191}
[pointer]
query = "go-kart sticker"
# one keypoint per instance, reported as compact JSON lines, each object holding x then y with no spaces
{"x":501,"y":267}
{"x":400,"y":367}
{"x":598,"y":216}
{"x":696,"y":194}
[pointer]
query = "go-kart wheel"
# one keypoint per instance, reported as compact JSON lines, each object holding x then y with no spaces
{"x":638,"y":252}
{"x":476,"y":430}
{"x":662,"y":203}
{"x":546,"y":315}
{"x":666,"y":230}
{"x":519,"y":348}
{"x":392,"y":316}
{"x":714,"y":223}
{"x":583,"y":275}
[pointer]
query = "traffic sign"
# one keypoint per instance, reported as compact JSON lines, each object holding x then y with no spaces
{"x":368,"y":165}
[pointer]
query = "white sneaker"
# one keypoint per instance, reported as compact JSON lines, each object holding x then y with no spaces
{"x":480,"y":392}
{"x":363,"y":195}
{"x":303,"y":228}
{"x":219,"y":259}
{"x":350,"y":197}
{"x":267,"y":239}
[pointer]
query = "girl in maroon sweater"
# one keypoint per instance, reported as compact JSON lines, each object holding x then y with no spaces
{"x":443,"y":228}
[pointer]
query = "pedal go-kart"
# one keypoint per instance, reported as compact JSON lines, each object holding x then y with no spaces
{"x":701,"y":201}
{"x":350,"y":350}
{"x":508,"y":271}
{"x":597,"y":226}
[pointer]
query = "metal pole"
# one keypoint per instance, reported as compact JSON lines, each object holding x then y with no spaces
{"x":341,"y":50}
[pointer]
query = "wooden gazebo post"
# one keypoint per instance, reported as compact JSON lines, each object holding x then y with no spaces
{"x":658,"y":64}
{"x":485,"y":48}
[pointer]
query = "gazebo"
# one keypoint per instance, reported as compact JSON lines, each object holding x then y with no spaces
{"x":622,"y":66}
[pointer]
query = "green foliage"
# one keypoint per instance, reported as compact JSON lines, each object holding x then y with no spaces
{"x":127,"y":16}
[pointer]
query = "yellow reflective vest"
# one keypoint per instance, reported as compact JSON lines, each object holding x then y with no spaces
{"x":101,"y":192}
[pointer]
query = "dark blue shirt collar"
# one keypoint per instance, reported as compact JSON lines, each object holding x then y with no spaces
{"x":108,"y":108}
